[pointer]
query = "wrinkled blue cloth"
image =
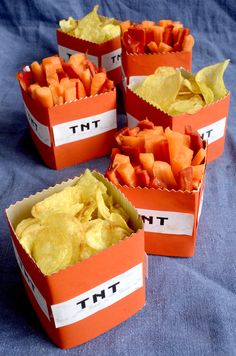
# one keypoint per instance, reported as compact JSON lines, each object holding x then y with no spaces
{"x":191,"y":303}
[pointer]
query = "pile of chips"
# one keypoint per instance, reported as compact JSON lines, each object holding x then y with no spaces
{"x":72,"y":225}
{"x":92,"y":27}
{"x":177,"y":91}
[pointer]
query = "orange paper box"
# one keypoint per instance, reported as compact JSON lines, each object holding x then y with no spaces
{"x":170,"y":218}
{"x":107,"y":54}
{"x":83,"y":301}
{"x":74,"y":132}
{"x":136,"y":67}
{"x":210,"y":121}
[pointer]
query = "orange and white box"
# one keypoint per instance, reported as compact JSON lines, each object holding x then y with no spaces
{"x":210,"y":121}
{"x":74,"y":132}
{"x":107,"y":54}
{"x":136,"y":67}
{"x":85,"y":300}
{"x":170,"y":218}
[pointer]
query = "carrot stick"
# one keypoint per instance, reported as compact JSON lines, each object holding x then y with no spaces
{"x":51,"y":74}
{"x":163,"y":47}
{"x":124,"y":26}
{"x":43,"y":96}
{"x":158,"y":34}
{"x":199,"y":157}
{"x":70,"y":94}
{"x":97,"y":82}
{"x":152,"y":47}
{"x":188,"y":43}
{"x":38,"y":73}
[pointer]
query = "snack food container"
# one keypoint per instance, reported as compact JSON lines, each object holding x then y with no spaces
{"x":210,"y":121}
{"x":74,"y":132}
{"x":83,"y":301}
{"x":107,"y":54}
{"x":136,"y":67}
{"x":170,"y":218}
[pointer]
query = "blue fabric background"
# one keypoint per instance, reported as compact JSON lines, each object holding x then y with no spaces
{"x":191,"y":303}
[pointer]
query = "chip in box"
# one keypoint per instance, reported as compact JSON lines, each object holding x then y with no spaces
{"x":95,"y":35}
{"x":210,"y":121}
{"x":84,"y":300}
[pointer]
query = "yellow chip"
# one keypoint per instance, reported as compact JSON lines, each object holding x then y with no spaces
{"x":160,"y":89}
{"x":96,"y":235}
{"x":86,"y":252}
{"x":23,"y":225}
{"x":52,"y":251}
{"x":103,"y":210}
{"x":210,"y":81}
{"x":29,"y":235}
{"x":68,"y":25}
{"x":67,"y":201}
{"x":87,"y":212}
{"x":88,"y":186}
{"x":186,"y":105}
{"x":72,"y":225}
{"x":118,"y":220}
{"x":95,"y":28}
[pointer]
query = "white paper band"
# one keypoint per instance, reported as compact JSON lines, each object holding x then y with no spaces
{"x":38,"y":296}
{"x":40,"y":130}
{"x":167,"y":222}
{"x":112,"y":60}
{"x":81,"y":129}
{"x":98,"y":298}
{"x":67,"y":52}
{"x":214,"y":131}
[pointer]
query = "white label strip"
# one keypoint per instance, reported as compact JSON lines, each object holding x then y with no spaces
{"x":81,"y":129}
{"x":67,"y":52}
{"x":98,"y":298}
{"x":213,"y":132}
{"x":167,"y":222}
{"x":112,"y":60}
{"x":40,"y":130}
{"x":132,"y":122}
{"x":38,"y":296}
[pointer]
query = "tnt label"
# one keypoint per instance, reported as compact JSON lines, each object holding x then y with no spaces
{"x":167,"y":222}
{"x":213,"y":132}
{"x":65,"y":53}
{"x":112,"y":60}
{"x":81,"y":129}
{"x":98,"y":298}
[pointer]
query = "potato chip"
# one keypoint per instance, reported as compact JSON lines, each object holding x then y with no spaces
{"x":23,"y":225}
{"x":88,"y":185}
{"x":119,"y":221}
{"x":98,"y":234}
{"x":188,"y":105}
{"x":189,"y":86}
{"x":210,"y":81}
{"x":160,"y":89}
{"x":67,"y":201}
{"x":29,"y":235}
{"x":177,"y":91}
{"x":103,"y":210}
{"x":72,"y":225}
{"x":51,"y":250}
{"x":68,"y":25}
{"x":87,"y":212}
{"x":86,"y":252}
{"x":92,"y":27}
